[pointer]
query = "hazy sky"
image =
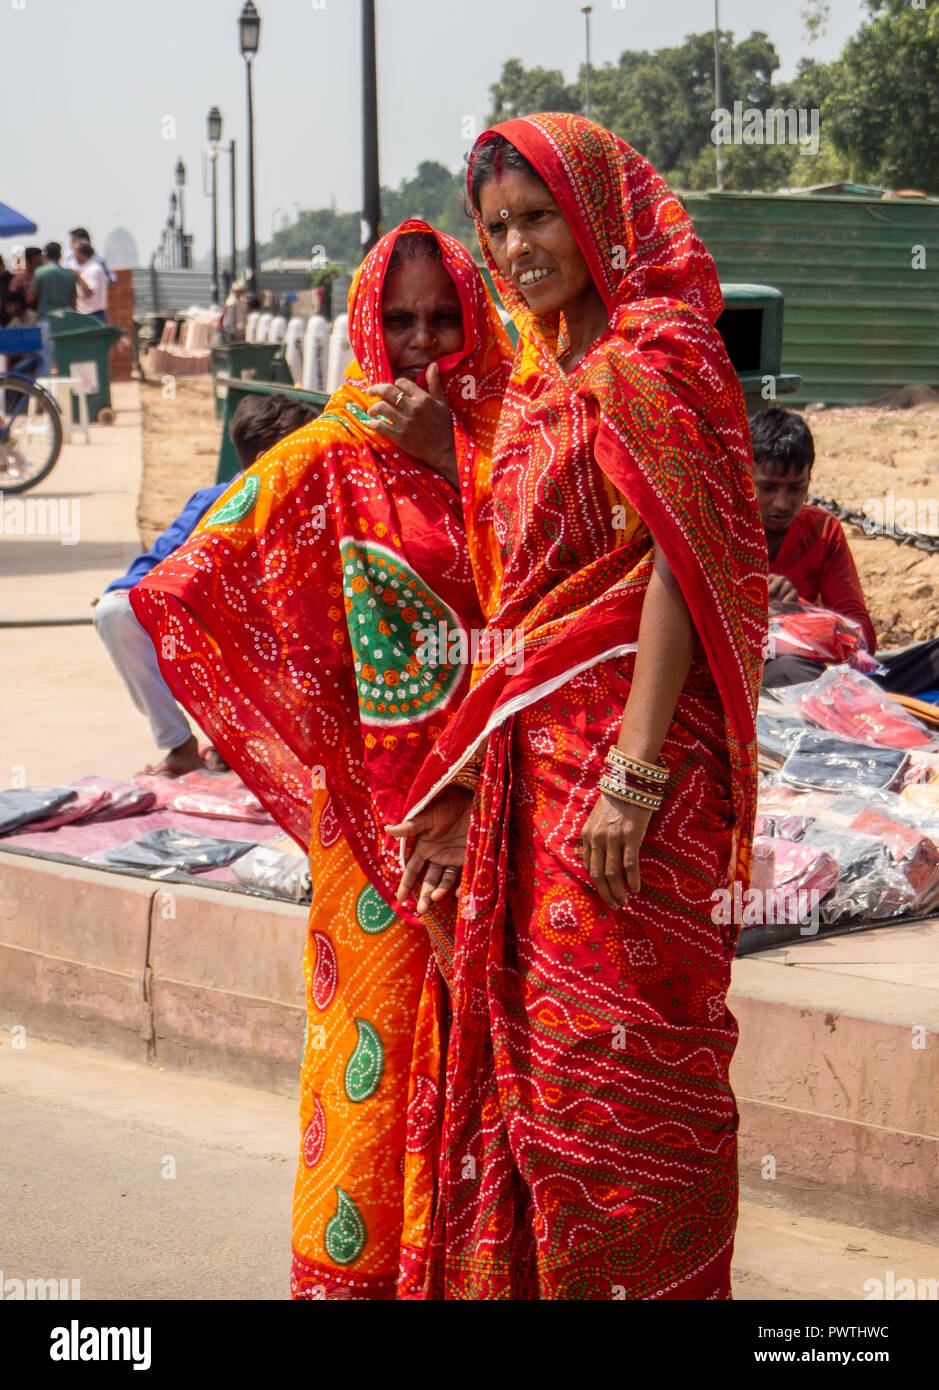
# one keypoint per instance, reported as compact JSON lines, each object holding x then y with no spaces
{"x":87,"y":84}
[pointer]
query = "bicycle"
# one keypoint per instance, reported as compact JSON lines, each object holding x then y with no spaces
{"x":30,"y":423}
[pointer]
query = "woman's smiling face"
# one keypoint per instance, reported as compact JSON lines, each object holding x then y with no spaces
{"x":533,"y":246}
{"x":421,"y":317}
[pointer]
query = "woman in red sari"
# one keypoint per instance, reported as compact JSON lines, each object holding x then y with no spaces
{"x":293,"y":625}
{"x":588,"y":1147}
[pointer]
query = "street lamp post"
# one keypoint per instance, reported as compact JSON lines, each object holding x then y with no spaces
{"x":371,"y":186}
{"x":587,"y":11}
{"x":249,"y":31}
{"x":214,"y":123}
{"x":173,"y":230}
{"x":717,"y":91}
{"x":180,"y":184}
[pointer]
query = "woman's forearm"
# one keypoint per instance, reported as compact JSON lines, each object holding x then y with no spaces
{"x":663,"y":658}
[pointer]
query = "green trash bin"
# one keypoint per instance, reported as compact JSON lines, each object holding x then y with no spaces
{"x":81,"y":346}
{"x":252,"y":361}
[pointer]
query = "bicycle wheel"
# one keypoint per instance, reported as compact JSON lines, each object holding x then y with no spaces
{"x":30,"y":434}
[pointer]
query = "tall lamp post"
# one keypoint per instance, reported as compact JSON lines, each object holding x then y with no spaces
{"x":180,"y":184}
{"x":214,"y":125}
{"x":174,"y":231}
{"x":587,"y":11}
{"x":371,"y":187}
{"x":717,"y":88}
{"x":249,"y":32}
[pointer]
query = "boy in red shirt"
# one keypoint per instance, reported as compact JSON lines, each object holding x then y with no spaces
{"x":809,"y":558}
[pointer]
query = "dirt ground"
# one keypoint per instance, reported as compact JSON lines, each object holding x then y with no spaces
{"x":862,"y":455}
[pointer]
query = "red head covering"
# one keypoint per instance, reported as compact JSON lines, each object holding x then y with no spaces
{"x":290,"y":623}
{"x":671,"y":437}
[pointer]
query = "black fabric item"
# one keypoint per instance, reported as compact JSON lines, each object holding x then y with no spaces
{"x":169,"y":848}
{"x":791,"y":670}
{"x":23,"y":804}
{"x":828,"y":762}
{"x":911,"y":671}
{"x":776,"y":733}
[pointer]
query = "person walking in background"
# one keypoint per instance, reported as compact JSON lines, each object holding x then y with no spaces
{"x":22,"y":280}
{"x":92,"y":282}
{"x":54,"y":288}
{"x":256,"y":426}
{"x":75,"y":237}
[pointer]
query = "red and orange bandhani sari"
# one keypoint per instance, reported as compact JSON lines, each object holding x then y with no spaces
{"x":293,"y":626}
{"x":589,"y":1137}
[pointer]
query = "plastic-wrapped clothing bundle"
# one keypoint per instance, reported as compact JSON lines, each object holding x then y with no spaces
{"x":829,"y":762}
{"x":171,"y":848}
{"x":285,"y":875}
{"x":870,"y":885}
{"x":84,"y":801}
{"x":803,"y":876}
{"x":204,"y":793}
{"x":22,"y":805}
{"x":817,"y":634}
{"x":847,"y":703}
{"x":776,"y":733}
{"x":911,"y":850}
{"x":123,"y":799}
{"x":781,"y":827}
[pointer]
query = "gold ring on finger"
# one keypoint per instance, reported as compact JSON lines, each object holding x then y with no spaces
{"x":398,"y":398}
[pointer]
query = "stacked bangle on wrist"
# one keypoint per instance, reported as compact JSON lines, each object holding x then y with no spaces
{"x":468,"y":775}
{"x":633,"y":781}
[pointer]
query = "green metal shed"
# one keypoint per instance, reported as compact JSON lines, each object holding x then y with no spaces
{"x":860,"y":278}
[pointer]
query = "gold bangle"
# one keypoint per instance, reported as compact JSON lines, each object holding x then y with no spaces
{"x":652,"y":772}
{"x":632,"y":798}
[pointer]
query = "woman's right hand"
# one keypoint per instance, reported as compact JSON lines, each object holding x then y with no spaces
{"x":438,"y":853}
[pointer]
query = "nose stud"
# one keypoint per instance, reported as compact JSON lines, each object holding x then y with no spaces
{"x":504,"y":214}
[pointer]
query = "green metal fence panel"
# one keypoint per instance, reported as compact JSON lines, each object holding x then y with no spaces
{"x":859,"y":276}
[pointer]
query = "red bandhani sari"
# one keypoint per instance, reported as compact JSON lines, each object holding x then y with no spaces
{"x":588,"y":1146}
{"x":293,"y":625}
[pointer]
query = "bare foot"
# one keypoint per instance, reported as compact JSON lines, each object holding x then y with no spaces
{"x":185,"y":758}
{"x":213,"y":759}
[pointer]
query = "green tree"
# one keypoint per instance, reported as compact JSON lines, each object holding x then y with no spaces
{"x":522,"y":91}
{"x":884,"y":105}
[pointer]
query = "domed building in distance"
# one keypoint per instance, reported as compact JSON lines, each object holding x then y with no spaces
{"x":120,"y":250}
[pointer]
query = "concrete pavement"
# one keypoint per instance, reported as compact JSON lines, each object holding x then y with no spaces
{"x":87,"y":1139}
{"x":65,"y":709}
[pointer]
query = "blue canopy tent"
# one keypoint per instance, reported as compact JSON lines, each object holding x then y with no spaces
{"x":13,"y":223}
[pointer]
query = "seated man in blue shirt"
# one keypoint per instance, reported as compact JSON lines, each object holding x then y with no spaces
{"x":256,"y":426}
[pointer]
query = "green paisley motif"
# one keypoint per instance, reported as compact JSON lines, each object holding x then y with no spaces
{"x":238,"y":506}
{"x":372,"y":912}
{"x":346,"y":1233}
{"x":364,"y":1068}
{"x":404,"y":670}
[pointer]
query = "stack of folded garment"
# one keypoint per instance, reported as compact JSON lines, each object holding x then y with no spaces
{"x":914,"y":853}
{"x":803,"y":875}
{"x":870,"y":885}
{"x":23,"y":806}
{"x":278,"y":867}
{"x":169,"y":849}
{"x":847,"y":703}
{"x":829,"y":762}
{"x":199,"y":793}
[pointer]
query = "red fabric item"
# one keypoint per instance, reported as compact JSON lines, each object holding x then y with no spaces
{"x":815,"y":557}
{"x":120,"y":798}
{"x":817,"y":634}
{"x":845,"y":703}
{"x":915,"y":852}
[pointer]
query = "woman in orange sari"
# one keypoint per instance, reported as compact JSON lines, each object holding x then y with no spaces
{"x":588,"y":1143}
{"x":297,"y":625}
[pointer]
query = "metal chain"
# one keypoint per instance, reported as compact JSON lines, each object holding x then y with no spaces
{"x":870,"y":527}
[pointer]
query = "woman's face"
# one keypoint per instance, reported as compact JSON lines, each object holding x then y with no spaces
{"x":533,"y":246}
{"x":421,"y":316}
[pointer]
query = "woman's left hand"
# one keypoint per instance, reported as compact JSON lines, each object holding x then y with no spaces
{"x":419,"y":421}
{"x":610,"y":841}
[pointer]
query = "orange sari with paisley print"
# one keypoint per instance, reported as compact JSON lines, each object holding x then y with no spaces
{"x":293,"y":626}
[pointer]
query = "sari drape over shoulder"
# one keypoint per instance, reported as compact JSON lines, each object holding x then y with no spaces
{"x":293,"y":626}
{"x":588,"y":1146}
